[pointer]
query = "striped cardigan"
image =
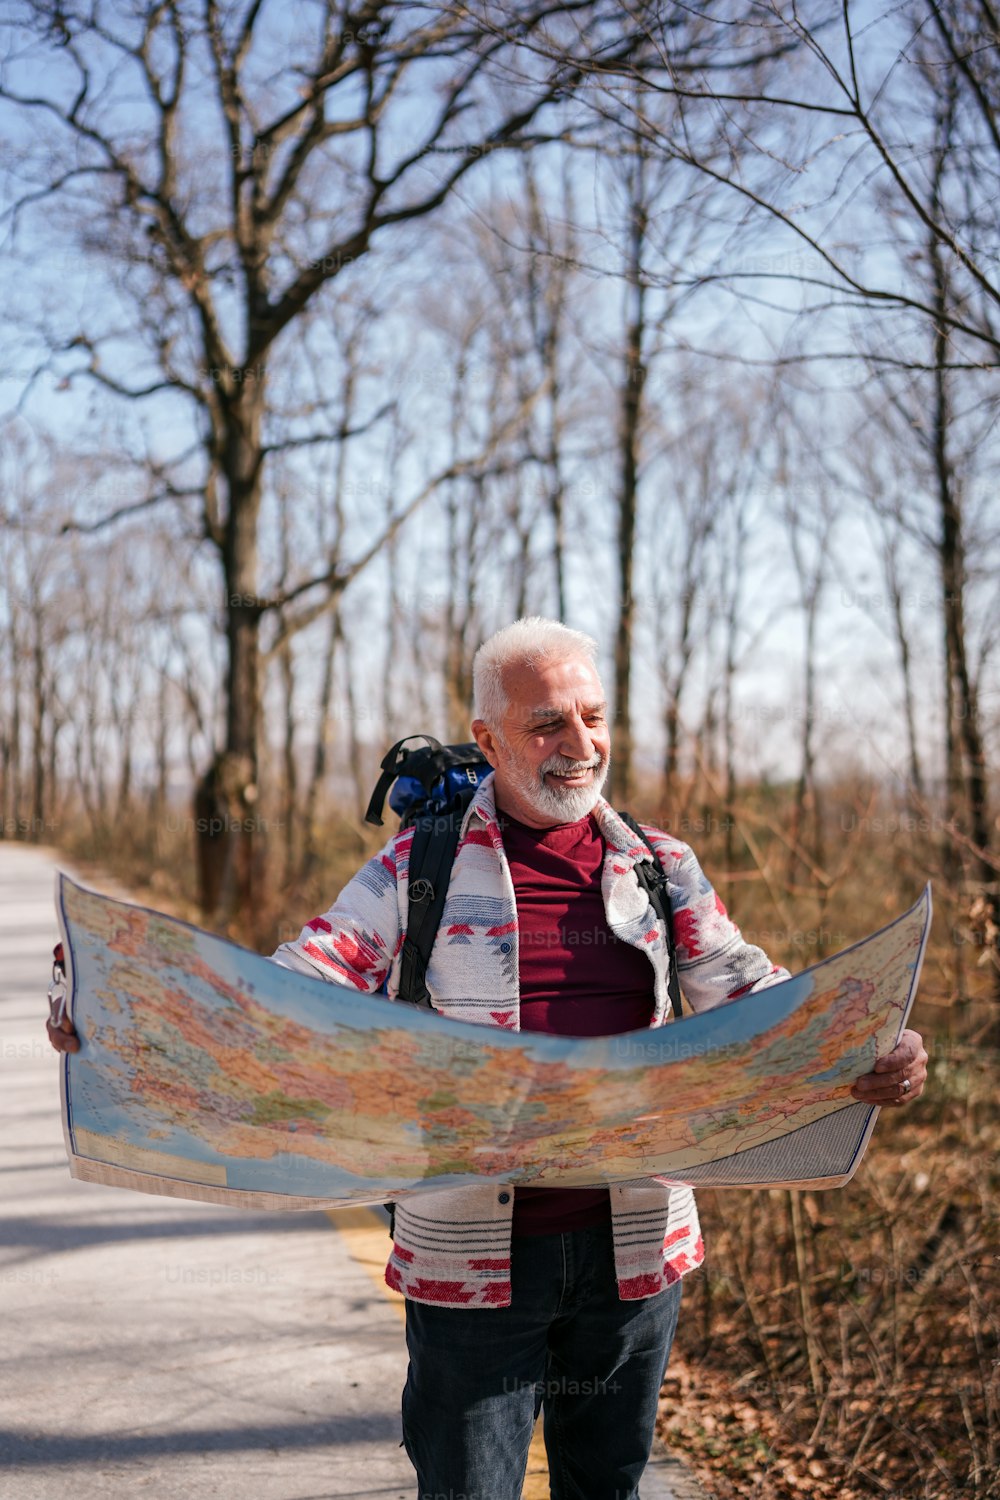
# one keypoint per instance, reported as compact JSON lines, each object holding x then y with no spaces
{"x":453,"y":1247}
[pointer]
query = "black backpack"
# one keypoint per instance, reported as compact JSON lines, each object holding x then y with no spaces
{"x":433,"y":787}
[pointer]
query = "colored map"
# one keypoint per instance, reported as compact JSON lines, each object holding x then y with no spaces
{"x":207,"y":1071}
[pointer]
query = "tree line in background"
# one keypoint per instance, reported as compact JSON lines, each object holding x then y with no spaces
{"x":682,"y":327}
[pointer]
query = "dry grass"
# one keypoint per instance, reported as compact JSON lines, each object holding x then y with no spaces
{"x":845,"y":1344}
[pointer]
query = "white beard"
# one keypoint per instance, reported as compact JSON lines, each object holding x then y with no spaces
{"x":561,"y":805}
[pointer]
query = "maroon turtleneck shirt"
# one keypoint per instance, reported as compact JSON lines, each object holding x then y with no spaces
{"x":576,"y":978}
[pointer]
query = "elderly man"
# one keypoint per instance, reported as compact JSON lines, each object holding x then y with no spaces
{"x":524,"y":1297}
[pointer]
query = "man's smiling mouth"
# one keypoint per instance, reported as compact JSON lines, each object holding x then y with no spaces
{"x":572,"y":778}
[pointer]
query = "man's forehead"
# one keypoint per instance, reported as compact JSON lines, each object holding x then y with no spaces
{"x":539,"y":690}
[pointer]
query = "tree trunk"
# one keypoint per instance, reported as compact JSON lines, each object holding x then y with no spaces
{"x":53,"y":797}
{"x":906,"y":668}
{"x":967,"y":774}
{"x":806,"y":808}
{"x":226,"y":796}
{"x":676,"y":681}
{"x":37,"y":822}
{"x":354,"y":751}
{"x":320,"y":749}
{"x":457,"y":604}
{"x":125,"y":773}
{"x":286,"y":672}
{"x":556,"y":488}
{"x":162,"y":736}
{"x":631,"y":413}
{"x":672,"y":724}
{"x":732,"y":625}
{"x":289,"y":792}
{"x":12,"y":770}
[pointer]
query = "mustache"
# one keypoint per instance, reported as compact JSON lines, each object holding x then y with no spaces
{"x":561,"y":766}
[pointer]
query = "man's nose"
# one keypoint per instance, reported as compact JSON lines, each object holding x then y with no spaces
{"x":577,"y":743}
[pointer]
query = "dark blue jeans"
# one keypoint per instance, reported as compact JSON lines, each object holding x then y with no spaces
{"x":478,"y":1377}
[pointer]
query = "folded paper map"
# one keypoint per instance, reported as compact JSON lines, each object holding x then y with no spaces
{"x":206,"y":1071}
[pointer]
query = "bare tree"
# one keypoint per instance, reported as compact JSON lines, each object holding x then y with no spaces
{"x":808,"y":528}
{"x":705,"y":456}
{"x":829,"y":120}
{"x":654,"y":213}
{"x":36,"y":610}
{"x":938,"y":410}
{"x":888,"y":505}
{"x":630,"y":414}
{"x":226,"y":223}
{"x":551,"y":273}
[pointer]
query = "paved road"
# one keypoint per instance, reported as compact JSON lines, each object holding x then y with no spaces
{"x":156,"y":1347}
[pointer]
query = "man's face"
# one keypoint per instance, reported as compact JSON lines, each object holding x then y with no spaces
{"x":552,"y":751}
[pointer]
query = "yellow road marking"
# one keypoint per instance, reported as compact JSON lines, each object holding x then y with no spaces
{"x":367,"y":1238}
{"x":536,"y":1479}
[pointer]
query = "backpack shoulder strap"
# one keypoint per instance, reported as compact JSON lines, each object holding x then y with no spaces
{"x":392,"y":762}
{"x":654,"y":882}
{"x":432,"y":854}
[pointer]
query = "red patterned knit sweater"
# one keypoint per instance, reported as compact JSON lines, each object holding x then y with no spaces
{"x":453,"y":1247}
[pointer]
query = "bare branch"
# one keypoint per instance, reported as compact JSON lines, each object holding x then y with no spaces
{"x":336,"y":579}
{"x":341,"y":435}
{"x":169,"y":492}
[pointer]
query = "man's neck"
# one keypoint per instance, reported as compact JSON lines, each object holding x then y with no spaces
{"x":504,"y":816}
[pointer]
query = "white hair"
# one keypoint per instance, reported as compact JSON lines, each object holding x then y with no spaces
{"x":530,"y":641}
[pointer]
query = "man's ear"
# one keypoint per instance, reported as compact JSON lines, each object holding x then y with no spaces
{"x":483,"y":736}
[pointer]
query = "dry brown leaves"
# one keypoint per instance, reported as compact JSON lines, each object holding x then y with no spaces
{"x":878,"y":1372}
